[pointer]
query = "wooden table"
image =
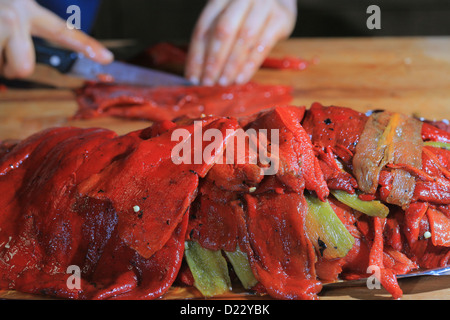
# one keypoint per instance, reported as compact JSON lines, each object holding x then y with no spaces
{"x":409,"y":75}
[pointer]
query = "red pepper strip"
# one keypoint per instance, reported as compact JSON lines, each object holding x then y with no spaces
{"x":440,"y":227}
{"x":35,"y":281}
{"x":168,"y":56}
{"x":45,"y":232}
{"x":443,"y":156}
{"x":398,"y":262}
{"x":432,"y":187}
{"x":213,"y":224}
{"x":335,"y":127}
{"x":376,"y":252}
{"x":149,"y":227}
{"x":154,"y":276}
{"x":437,"y":162}
{"x":385,"y":181}
{"x":445,"y":259}
{"x":336,"y":178}
{"x":29,"y":153}
{"x":46,"y":193}
{"x":239,"y":169}
{"x":429,"y":256}
{"x":45,"y":139}
{"x":283,"y":266}
{"x":392,"y":231}
{"x":355,"y":266}
{"x":328,"y":156}
{"x":343,"y":153}
{"x":6,"y":146}
{"x":298,"y":166}
{"x":288,"y":62}
{"x":235,"y":177}
{"x":157,"y":129}
{"x":59,"y":227}
{"x":432,"y":133}
{"x":412,"y":219}
{"x":50,"y":190}
{"x":432,"y":184}
{"x":434,"y":192}
{"x":387,"y":277}
{"x":413,"y":170}
{"x":329,"y":270}
{"x":367,"y":197}
{"x":118,"y":271}
{"x":165,"y":54}
{"x":185,"y":277}
{"x":168,"y":103}
{"x":124,"y":283}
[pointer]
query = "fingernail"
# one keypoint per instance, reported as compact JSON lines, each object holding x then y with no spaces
{"x":194,"y":80}
{"x":240,"y":79}
{"x":223,"y":81}
{"x":107,"y":55}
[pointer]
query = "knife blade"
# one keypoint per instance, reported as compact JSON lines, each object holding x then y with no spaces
{"x":443,"y":271}
{"x":77,"y":65}
{"x":124,"y":73}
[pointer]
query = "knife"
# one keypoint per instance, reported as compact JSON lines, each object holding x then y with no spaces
{"x":77,"y":65}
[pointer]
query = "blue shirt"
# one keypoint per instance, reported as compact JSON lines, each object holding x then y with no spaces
{"x":88,"y":9}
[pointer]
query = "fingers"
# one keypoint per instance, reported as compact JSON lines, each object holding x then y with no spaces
{"x":247,"y":38}
{"x":197,"y":48}
{"x":7,"y":23}
{"x":232,"y":38}
{"x":269,"y":36}
{"x":222,"y":38}
{"x":19,"y":55}
{"x":16,"y":48}
{"x":278,"y":25}
{"x":47,"y":25}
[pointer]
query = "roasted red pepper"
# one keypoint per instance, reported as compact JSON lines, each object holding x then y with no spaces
{"x":120,"y":208}
{"x":298,"y":166}
{"x":168,"y":103}
{"x":285,"y":268}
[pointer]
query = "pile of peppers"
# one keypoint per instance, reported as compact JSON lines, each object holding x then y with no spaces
{"x":136,"y":224}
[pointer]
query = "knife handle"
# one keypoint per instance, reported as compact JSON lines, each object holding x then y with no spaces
{"x":60,"y":59}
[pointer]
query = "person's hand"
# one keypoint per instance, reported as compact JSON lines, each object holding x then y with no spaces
{"x":22,"y":19}
{"x":233,"y":37}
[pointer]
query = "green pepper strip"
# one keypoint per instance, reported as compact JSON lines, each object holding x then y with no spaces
{"x":241,"y":266}
{"x":373,"y":208}
{"x":209,"y":269}
{"x":326,"y":231}
{"x":437,"y":144}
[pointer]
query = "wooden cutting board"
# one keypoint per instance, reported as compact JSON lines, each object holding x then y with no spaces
{"x":408,"y":75}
